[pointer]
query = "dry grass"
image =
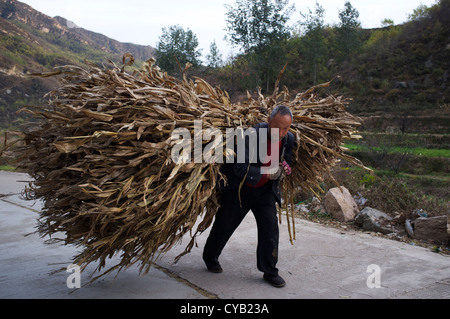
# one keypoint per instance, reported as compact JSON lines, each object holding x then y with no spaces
{"x":100,"y":157}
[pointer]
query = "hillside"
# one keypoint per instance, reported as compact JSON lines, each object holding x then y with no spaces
{"x":401,"y":77}
{"x":398,"y":77}
{"x":407,"y":63}
{"x":31,"y":41}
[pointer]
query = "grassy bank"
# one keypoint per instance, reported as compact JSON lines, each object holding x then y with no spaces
{"x":394,"y":194}
{"x":419,"y":151}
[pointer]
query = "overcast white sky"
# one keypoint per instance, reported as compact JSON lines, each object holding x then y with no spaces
{"x":141,"y":21}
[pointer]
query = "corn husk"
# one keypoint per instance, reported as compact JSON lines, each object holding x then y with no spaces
{"x":101,"y":157}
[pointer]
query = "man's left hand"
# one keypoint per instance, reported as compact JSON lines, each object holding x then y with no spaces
{"x":287,"y":168}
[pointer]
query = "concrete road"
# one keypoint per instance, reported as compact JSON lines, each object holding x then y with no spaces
{"x":323,"y":263}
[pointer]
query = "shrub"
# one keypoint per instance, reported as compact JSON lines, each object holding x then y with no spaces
{"x":393,"y":95}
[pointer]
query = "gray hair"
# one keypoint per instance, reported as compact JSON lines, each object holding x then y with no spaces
{"x":281,"y":110}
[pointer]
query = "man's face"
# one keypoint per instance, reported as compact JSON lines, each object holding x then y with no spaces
{"x":282,"y":123}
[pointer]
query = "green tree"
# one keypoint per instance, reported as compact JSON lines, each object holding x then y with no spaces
{"x":214,"y":58}
{"x":258,"y":28}
{"x":257,"y":23}
{"x":177,"y":44}
{"x":313,"y":40}
{"x":348,"y":40}
{"x":387,"y":23}
{"x":420,"y":12}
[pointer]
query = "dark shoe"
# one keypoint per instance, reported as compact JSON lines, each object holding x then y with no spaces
{"x":275,"y":281}
{"x":215,"y":269}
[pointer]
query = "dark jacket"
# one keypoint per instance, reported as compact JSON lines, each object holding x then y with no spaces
{"x":236,"y":172}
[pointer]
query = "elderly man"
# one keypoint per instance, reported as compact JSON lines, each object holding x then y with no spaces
{"x":253,"y":186}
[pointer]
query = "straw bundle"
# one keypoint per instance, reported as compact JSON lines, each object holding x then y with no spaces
{"x":101,"y":159}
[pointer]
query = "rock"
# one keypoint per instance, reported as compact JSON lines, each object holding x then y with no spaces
{"x":340,"y":204}
{"x":316,"y":206}
{"x":409,"y":228}
{"x":433,"y":229}
{"x":302,"y":208}
{"x":371,"y":219}
{"x":400,"y":85}
{"x":360,"y":199}
{"x":419,"y":213}
{"x":330,"y":63}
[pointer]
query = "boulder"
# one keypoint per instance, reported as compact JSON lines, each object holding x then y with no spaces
{"x":340,"y":204}
{"x":433,"y":229}
{"x":371,"y":219}
{"x":400,"y":85}
{"x":409,"y":228}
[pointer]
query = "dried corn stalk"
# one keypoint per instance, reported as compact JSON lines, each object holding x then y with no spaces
{"x":101,"y":158}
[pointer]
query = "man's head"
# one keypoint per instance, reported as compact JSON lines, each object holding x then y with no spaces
{"x":281,"y":119}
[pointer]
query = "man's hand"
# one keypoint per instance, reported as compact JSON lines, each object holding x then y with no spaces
{"x":287,"y":168}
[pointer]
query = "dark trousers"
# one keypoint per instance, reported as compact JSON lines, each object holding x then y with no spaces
{"x":261,"y":201}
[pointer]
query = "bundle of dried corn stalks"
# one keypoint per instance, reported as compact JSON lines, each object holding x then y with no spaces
{"x":101,"y":159}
